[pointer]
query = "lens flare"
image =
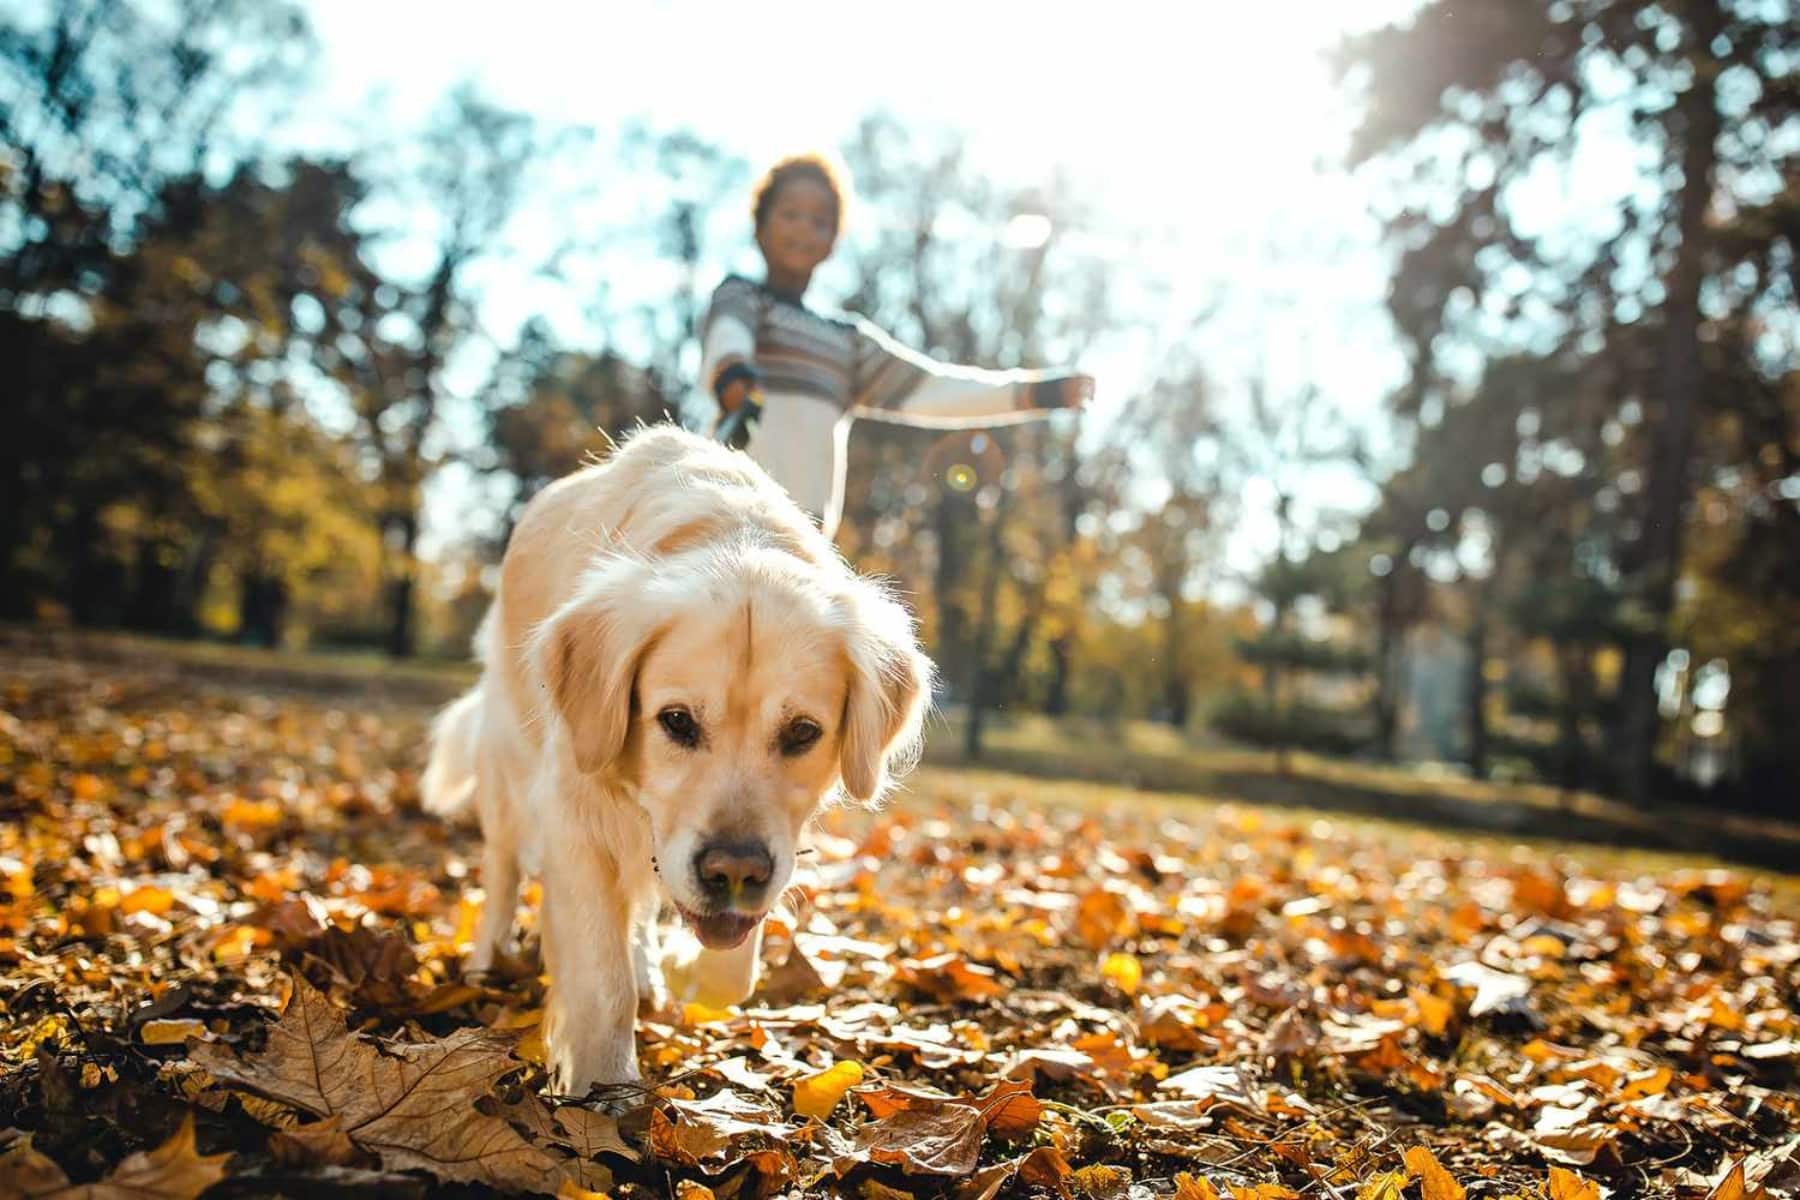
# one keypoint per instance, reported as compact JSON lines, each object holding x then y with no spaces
{"x":960,"y":477}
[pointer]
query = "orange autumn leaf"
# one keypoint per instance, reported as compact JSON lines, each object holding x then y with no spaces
{"x":1434,"y":1181}
{"x":1564,"y":1184}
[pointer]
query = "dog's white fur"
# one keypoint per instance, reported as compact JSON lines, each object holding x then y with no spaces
{"x":673,"y":576}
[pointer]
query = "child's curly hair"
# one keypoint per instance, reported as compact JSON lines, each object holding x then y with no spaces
{"x":814,"y":166}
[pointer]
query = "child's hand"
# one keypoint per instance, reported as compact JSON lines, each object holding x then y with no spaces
{"x":733,"y":393}
{"x":1065,"y":391}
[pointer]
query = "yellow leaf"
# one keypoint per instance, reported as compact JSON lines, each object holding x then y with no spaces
{"x":700,"y":1014}
{"x":154,"y":900}
{"x":1434,"y":1012}
{"x":1653,"y":1082}
{"x":816,"y":1095}
{"x":252,"y":814}
{"x":1125,"y":972}
{"x":531,"y":1047}
{"x":1387,"y":1185}
{"x":171,"y":1032}
{"x":1433,"y":1179}
{"x":52,"y":1029}
{"x":688,"y":1189}
{"x":1565,"y":1184}
{"x":236,"y":943}
{"x":1194,"y":1187}
{"x":570,"y":1190}
{"x":1543,"y":945}
{"x":874,"y":1189}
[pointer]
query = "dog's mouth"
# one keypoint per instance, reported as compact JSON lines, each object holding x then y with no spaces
{"x":720,"y":930}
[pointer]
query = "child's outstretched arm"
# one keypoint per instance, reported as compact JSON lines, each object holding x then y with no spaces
{"x":891,"y":382}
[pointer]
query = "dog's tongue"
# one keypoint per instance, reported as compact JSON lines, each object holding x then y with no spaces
{"x":721,"y":931}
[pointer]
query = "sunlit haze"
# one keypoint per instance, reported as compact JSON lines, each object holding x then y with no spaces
{"x":1197,"y":140}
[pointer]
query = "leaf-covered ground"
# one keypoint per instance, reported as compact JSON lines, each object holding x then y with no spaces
{"x":230,"y":950}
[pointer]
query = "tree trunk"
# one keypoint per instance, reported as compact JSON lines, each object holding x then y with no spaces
{"x":1476,"y":695}
{"x":1576,"y":671}
{"x":1062,"y":653}
{"x":262,"y":609}
{"x":1175,"y":684}
{"x":400,"y":587}
{"x":1387,"y":654}
{"x":980,"y":676}
{"x":1658,"y":557}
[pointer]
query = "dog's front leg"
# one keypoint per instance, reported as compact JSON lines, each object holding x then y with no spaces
{"x":590,"y":1015}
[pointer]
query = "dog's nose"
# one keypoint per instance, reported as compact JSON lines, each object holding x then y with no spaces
{"x":734,"y":871}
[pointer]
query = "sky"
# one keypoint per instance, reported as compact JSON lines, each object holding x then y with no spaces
{"x":1211,"y":125}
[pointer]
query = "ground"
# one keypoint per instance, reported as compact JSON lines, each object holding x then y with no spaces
{"x":231,"y":950}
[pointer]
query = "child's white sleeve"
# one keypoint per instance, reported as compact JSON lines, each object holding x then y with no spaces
{"x":728,"y":331}
{"x":891,"y":382}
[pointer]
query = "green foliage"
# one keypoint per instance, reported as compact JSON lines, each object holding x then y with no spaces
{"x":1296,"y":651}
{"x":1295,"y":725}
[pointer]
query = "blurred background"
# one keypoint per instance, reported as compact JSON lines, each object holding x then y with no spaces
{"x":1448,"y":409}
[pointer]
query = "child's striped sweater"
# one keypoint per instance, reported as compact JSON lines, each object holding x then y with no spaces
{"x":818,"y":373}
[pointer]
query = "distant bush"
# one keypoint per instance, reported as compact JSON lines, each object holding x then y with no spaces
{"x":1296,"y":652}
{"x":1244,"y":718}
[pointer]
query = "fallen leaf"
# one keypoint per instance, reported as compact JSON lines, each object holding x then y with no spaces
{"x":1194,"y":1187}
{"x":413,"y":1108}
{"x":949,"y":978}
{"x":1435,"y":1183}
{"x":1222,"y":1085}
{"x":1386,"y":1185}
{"x":939,"y":1139}
{"x":172,"y":1171}
{"x":1010,"y":1110}
{"x":318,"y":1142}
{"x":817,"y":1094}
{"x":1567,"y":1185}
{"x":1123,"y":971}
{"x":172,"y":1032}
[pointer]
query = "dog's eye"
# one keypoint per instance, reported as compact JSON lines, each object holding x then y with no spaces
{"x":680,"y":725}
{"x":799,"y":736}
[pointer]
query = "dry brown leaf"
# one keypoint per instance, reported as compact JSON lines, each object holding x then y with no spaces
{"x":413,"y":1108}
{"x":323,"y":1142}
{"x":1220,"y":1085}
{"x":172,"y":1171}
{"x":1010,"y":1110}
{"x":949,"y":978}
{"x":701,"y":1132}
{"x":1194,"y":1187}
{"x":1046,"y":1167}
{"x":938,"y":1139}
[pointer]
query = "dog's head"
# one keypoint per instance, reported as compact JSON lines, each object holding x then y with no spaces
{"x":731,"y":693}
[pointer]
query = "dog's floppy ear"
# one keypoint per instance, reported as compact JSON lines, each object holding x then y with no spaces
{"x":588,"y":656}
{"x":890,"y":689}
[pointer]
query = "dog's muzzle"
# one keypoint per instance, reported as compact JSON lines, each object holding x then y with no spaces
{"x":732,"y":876}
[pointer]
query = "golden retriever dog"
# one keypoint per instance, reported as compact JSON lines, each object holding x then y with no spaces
{"x":678,"y":671}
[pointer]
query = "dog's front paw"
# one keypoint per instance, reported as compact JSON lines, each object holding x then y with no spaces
{"x":582,"y":1062}
{"x":614,"y":1096}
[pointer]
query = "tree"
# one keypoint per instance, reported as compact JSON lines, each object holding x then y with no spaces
{"x":470,"y":169}
{"x":1466,"y":104}
{"x":551,"y":409}
{"x":969,"y":272}
{"x":108,"y":113}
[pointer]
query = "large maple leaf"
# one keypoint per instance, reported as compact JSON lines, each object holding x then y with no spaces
{"x":412,"y":1105}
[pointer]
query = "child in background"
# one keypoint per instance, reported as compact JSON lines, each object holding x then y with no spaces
{"x":789,"y":381}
